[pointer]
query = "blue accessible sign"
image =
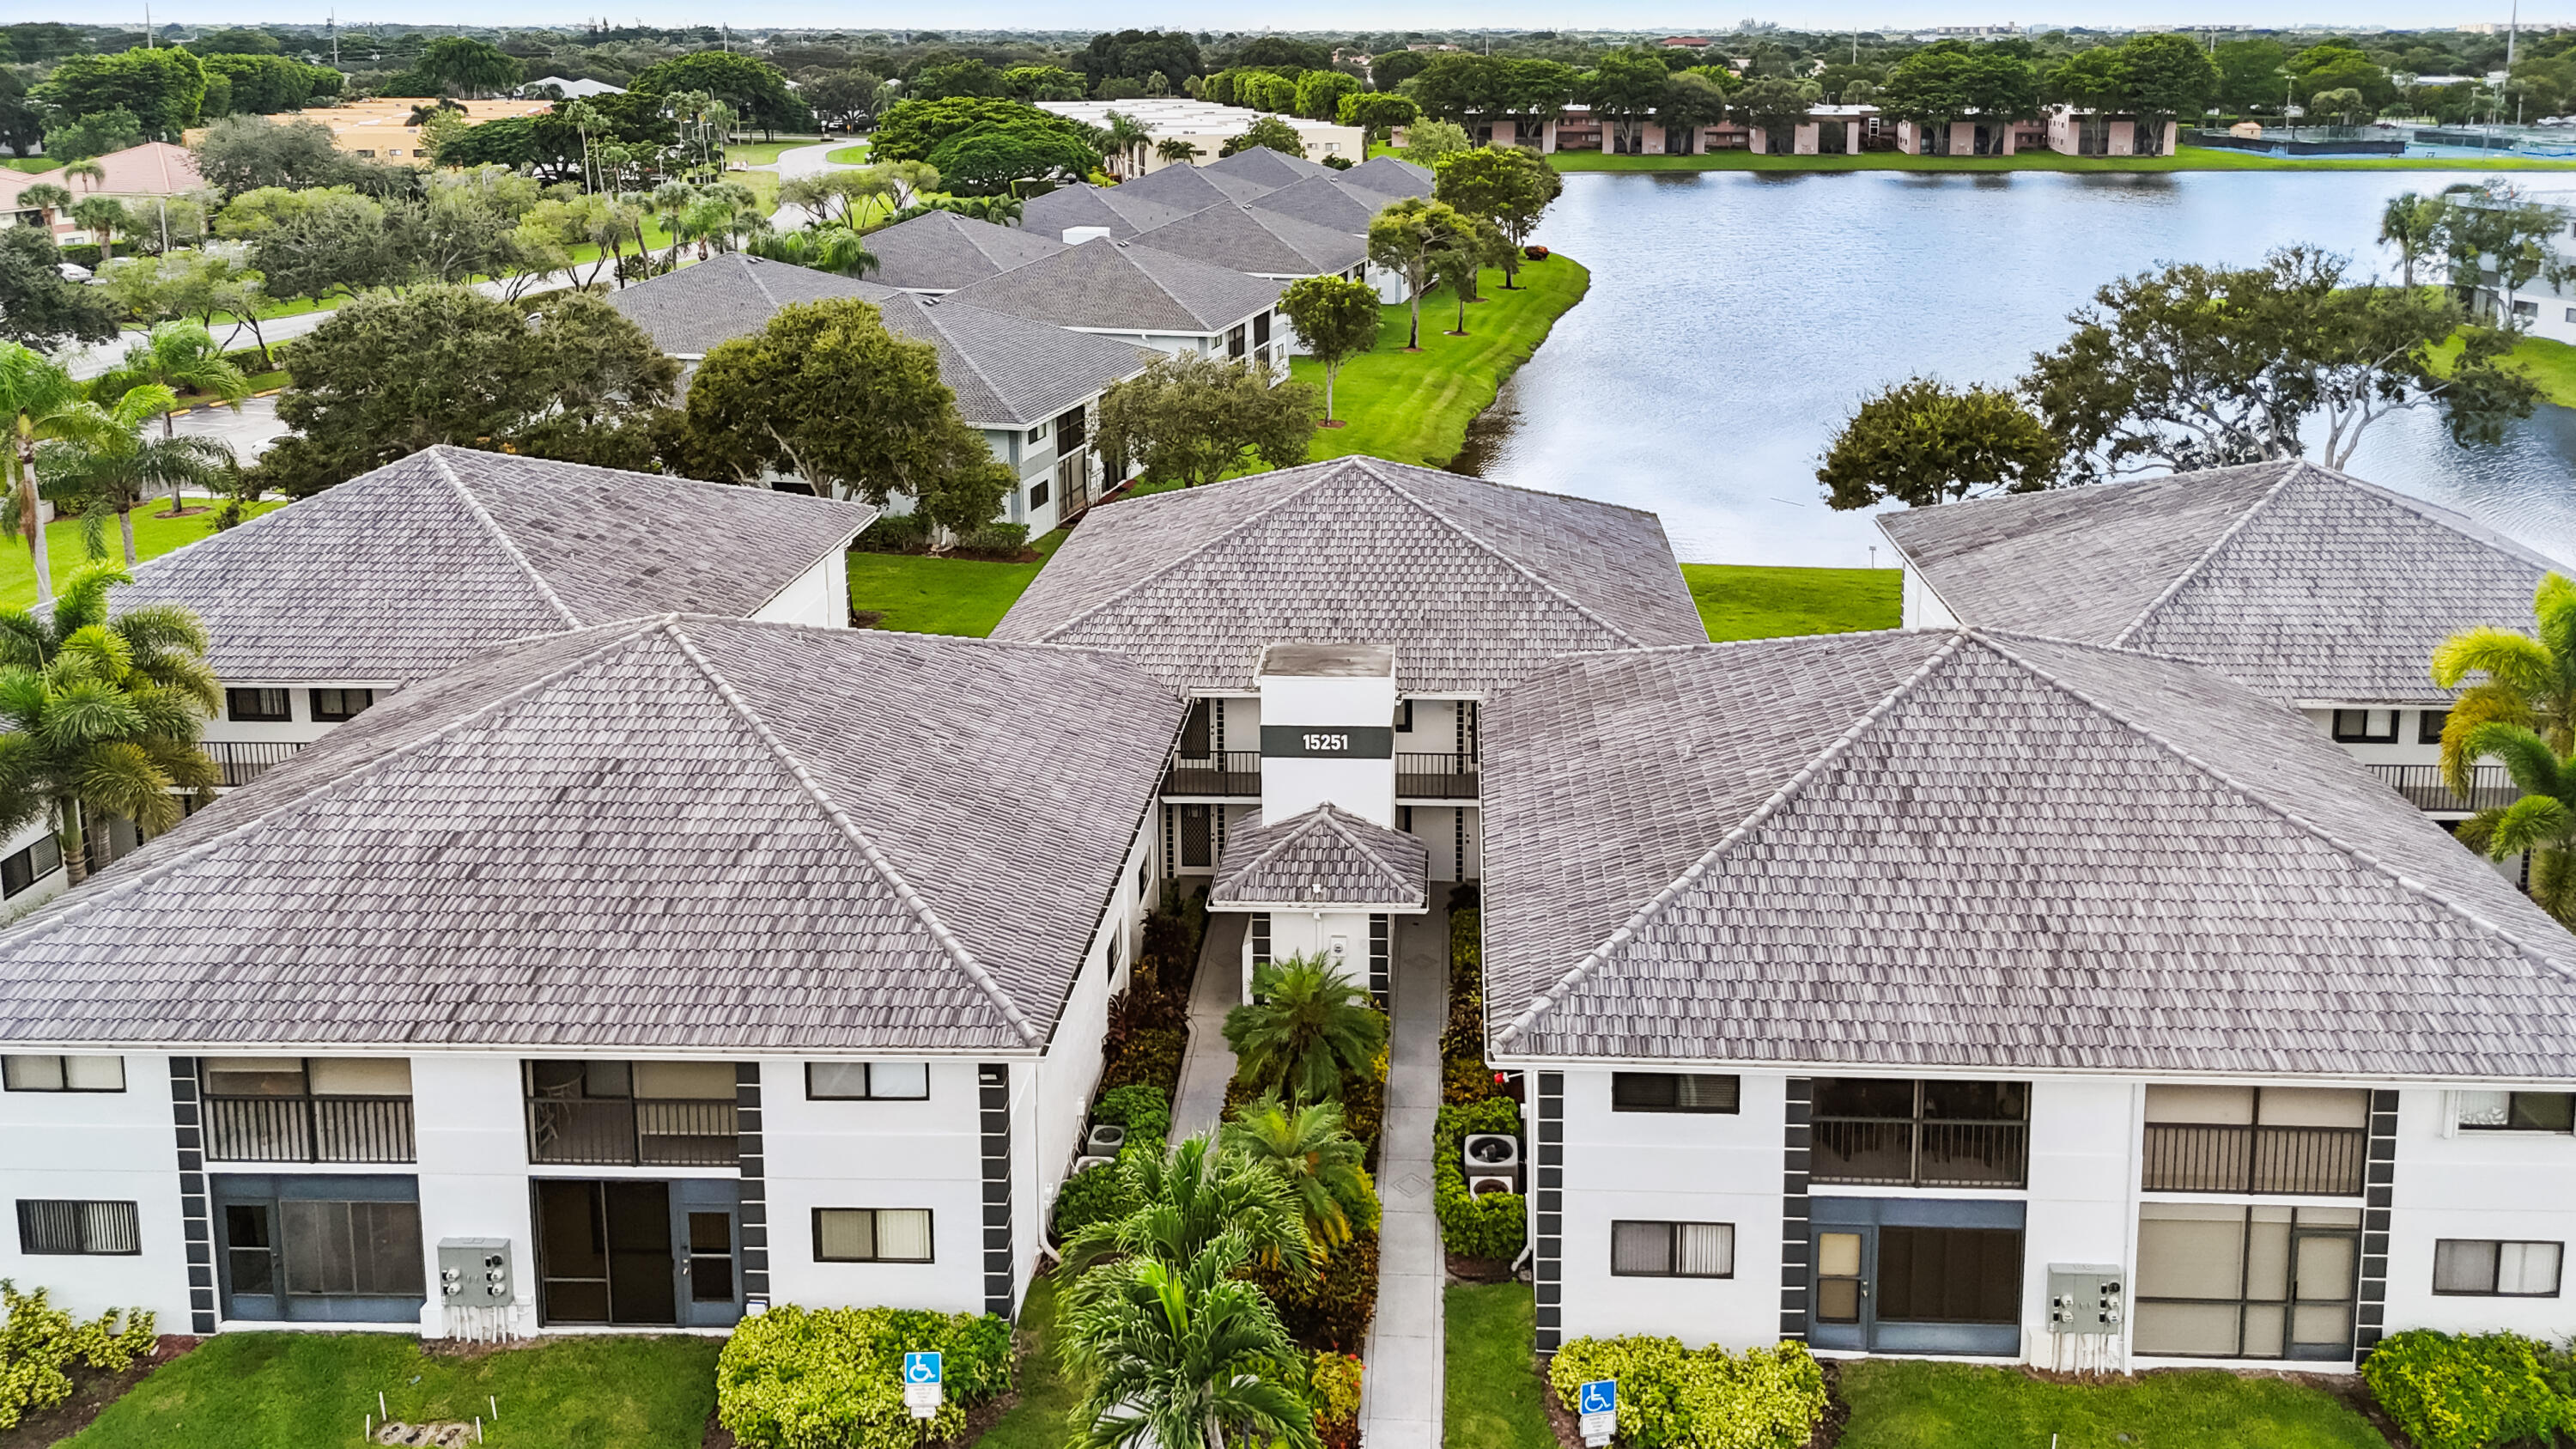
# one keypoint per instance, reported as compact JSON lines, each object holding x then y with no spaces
{"x":921,"y":1368}
{"x":1601,"y":1396}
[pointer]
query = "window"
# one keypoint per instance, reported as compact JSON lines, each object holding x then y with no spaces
{"x":1038,"y":433}
{"x":2517,"y":1111}
{"x":1404,"y":716}
{"x":2224,"y":1281}
{"x":1260,"y":938}
{"x":257,"y":706}
{"x":2293,"y":1140}
{"x":2365,"y":726}
{"x":334,"y":706}
{"x":42,"y":857}
{"x":1070,"y":429}
{"x":867,"y":1081}
{"x":351,"y":1249}
{"x":1672,"y":1250}
{"x":1261,"y":330}
{"x":2480,"y":1268}
{"x":2571,"y":314}
{"x":2428,"y":726}
{"x":94,"y":1228}
{"x":63,"y":1074}
{"x":2526,"y":309}
{"x":633,"y":1114}
{"x":872,"y":1235}
{"x":1674,"y":1092}
{"x":1037,"y":495}
{"x":1234,"y":343}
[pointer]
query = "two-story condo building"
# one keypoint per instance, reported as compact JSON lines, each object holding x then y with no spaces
{"x":1085,"y":209}
{"x":938,"y":252}
{"x":693,"y":959}
{"x":1260,"y":243}
{"x":1031,"y":388}
{"x":2303,"y":584}
{"x":1136,"y":294}
{"x":1954,"y":992}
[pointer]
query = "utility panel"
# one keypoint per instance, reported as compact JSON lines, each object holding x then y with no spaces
{"x":474,"y":1272}
{"x":2086,"y":1298}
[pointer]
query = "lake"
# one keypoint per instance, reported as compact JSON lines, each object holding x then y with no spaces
{"x":1736,"y":318}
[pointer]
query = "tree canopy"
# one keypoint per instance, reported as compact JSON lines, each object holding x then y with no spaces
{"x":756,"y":90}
{"x":1133,"y":55}
{"x":1267,"y":133}
{"x":1190,"y":419}
{"x":164,"y":89}
{"x":39,"y":308}
{"x":913,"y":130}
{"x":1921,"y":443}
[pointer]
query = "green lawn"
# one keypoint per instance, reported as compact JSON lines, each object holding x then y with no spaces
{"x":1414,"y":407}
{"x":266,"y":1390}
{"x":919,"y":594}
{"x":763,"y":153}
{"x":2551,"y":365}
{"x":153,"y":537}
{"x":2185,"y":158}
{"x":1492,"y":1397}
{"x":1901,"y":1405}
{"x":1040,"y":1420}
{"x":1747,"y":601}
{"x":849,"y":155}
{"x":30,"y":164}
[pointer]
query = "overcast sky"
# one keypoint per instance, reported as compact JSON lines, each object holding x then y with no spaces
{"x":1357,"y":14}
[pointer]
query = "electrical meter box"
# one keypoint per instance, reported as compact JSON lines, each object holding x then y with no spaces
{"x":474,"y":1272}
{"x":2086,"y":1297}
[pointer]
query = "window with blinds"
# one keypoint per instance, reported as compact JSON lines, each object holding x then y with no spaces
{"x":2483,"y":1268}
{"x":1675,"y":1092}
{"x":91,"y":1228}
{"x":352,"y":1249}
{"x":1672,"y":1250}
{"x":872,"y":1235}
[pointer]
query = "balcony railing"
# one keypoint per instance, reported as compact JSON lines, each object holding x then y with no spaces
{"x":308,"y":1129}
{"x":1435,"y":777}
{"x":2209,"y":1157}
{"x":1222,"y":772}
{"x":1902,"y":1152}
{"x":2490,"y":788}
{"x":243,"y":761}
{"x":633,"y":1132}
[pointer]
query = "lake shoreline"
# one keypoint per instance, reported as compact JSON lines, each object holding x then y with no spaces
{"x":2187,"y":158}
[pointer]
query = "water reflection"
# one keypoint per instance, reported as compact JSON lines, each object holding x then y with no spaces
{"x":1736,"y":317}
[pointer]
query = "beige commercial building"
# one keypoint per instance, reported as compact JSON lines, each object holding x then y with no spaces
{"x":382,"y":128}
{"x":1208,"y":126}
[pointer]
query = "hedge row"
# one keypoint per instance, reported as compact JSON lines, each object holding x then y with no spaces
{"x":1493,"y":1226}
{"x":2472,"y":1392}
{"x":831,"y":1378}
{"x":1671,"y":1397}
{"x":1464,"y":1077}
{"x":39,"y":1343}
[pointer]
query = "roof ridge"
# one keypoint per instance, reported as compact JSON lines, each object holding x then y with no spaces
{"x":669,"y":625}
{"x":2262,"y":798}
{"x":931,"y":317}
{"x":1288,"y":836}
{"x":438,"y":456}
{"x":1323,"y":471}
{"x":81,"y":904}
{"x":2455,"y":520}
{"x":2165,"y":595}
{"x":752,"y":273}
{"x":1778,"y":800}
{"x":1533,"y":575}
{"x":1334,"y":818}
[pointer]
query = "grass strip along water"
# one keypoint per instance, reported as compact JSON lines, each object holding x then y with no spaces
{"x":2185,"y":158}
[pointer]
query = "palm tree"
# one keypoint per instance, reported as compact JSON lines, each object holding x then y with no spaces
{"x":104,"y":462}
{"x":37,"y":396}
{"x":1188,"y":1196}
{"x":2412,"y":223}
{"x":1187,"y":1356}
{"x":103,"y":715}
{"x":1319,"y":1160}
{"x":181,"y":356}
{"x":2523,"y":712}
{"x":1174,"y":149}
{"x":823,"y":248}
{"x":1128,"y":138}
{"x":102,"y":217}
{"x":1306,"y":1029}
{"x":668,"y":203}
{"x":90,"y":173}
{"x":46,"y":197}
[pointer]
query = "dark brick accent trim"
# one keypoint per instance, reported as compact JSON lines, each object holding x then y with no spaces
{"x":194,"y":1207}
{"x":2370,"y":1314}
{"x":752,"y":1156}
{"x":1796,"y":1144}
{"x":1547,"y":1259}
{"x":993,"y":1099}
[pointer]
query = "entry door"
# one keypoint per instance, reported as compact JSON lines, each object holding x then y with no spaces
{"x":604,"y":1253}
{"x":1916,"y":1288}
{"x":707,"y":1240}
{"x":1842,"y":1310}
{"x":252,"y":1263}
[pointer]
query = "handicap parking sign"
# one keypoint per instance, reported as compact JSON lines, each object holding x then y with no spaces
{"x":921,"y":1368}
{"x":1601,"y":1396}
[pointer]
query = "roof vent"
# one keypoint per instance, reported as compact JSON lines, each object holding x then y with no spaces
{"x":1075,"y":236}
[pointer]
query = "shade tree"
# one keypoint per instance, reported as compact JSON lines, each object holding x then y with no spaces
{"x":1191,"y":419}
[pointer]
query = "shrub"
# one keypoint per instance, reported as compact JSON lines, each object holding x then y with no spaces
{"x":1335,"y":1393}
{"x":84,"y":254}
{"x":1002,"y":540}
{"x":1535,"y":253}
{"x":1329,"y":1309}
{"x":1094,"y":1195}
{"x":1671,"y":1397}
{"x":830,"y":1378}
{"x":895,"y":533}
{"x":1143,"y":1109}
{"x":1152,"y":1056}
{"x":1493,"y":1226}
{"x":1464,"y":1077}
{"x":38,"y":1342}
{"x":1338,"y":163}
{"x":2468,"y":1392}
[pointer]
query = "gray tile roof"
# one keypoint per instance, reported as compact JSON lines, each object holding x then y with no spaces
{"x":1190,"y":187}
{"x":1264,"y":167}
{"x":400,"y":573}
{"x":1326,"y":857}
{"x":1475,"y":584}
{"x":1391,"y":175}
{"x":1337,"y":205}
{"x":1006,"y":370}
{"x":940,"y":251}
{"x":1961,"y":849}
{"x":1264,"y":243}
{"x":2299,"y":582}
{"x":1083,"y":204}
{"x":670,"y":833}
{"x":1126,"y":287}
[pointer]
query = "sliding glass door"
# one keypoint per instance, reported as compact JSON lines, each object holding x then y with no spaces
{"x":1915,"y":1276}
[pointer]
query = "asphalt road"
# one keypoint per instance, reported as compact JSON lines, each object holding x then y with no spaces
{"x":247,"y":432}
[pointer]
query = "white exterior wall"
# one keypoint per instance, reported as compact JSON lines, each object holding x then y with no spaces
{"x":43,"y":888}
{"x":818,"y":597}
{"x":2510,"y":1186}
{"x":99,"y":1146}
{"x":876,"y":1155}
{"x":1922,"y":608}
{"x":303,"y":729}
{"x":468,"y":1124}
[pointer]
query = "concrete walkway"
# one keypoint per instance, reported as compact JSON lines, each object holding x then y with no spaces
{"x":1400,"y":1397}
{"x":1210,"y":1063}
{"x":805,"y":161}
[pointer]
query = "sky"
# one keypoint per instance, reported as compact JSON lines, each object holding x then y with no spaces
{"x":1360,"y":14}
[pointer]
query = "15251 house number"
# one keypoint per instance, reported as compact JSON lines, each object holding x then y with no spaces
{"x":1326,"y":744}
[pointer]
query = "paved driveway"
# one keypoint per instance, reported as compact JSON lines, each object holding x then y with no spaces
{"x":248,"y":432}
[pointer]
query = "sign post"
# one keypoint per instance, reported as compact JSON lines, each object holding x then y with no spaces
{"x":1599,"y":1403}
{"x":921,"y":1384}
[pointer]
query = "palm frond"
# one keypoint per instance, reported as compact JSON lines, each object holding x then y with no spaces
{"x":24,"y":639}
{"x":86,"y":712}
{"x":2532,"y":821}
{"x":2517,"y":661}
{"x":2525,"y":756}
{"x":120,"y":778}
